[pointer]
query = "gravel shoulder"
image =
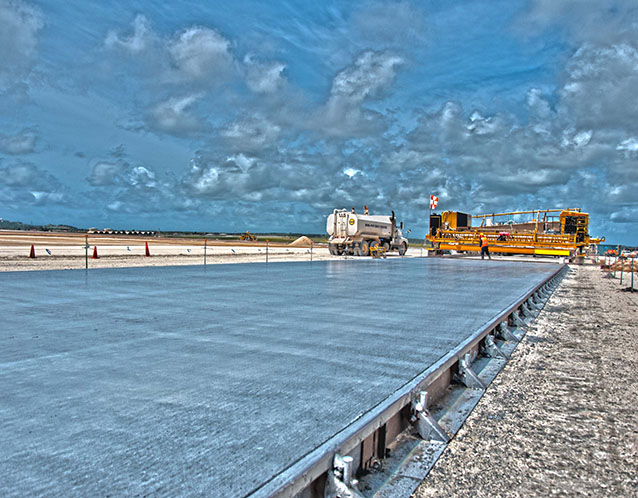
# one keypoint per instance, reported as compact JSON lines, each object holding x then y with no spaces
{"x":561,"y":418}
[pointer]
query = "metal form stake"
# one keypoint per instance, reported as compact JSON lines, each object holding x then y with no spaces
{"x":86,"y":252}
{"x":428,"y":428}
{"x":491,"y":348}
{"x":622,"y":267}
{"x":205,"y":252}
{"x":633,"y":270}
{"x":506,"y":333}
{"x":340,"y":482}
{"x":518,"y":321}
{"x":311,"y":252}
{"x":266,"y":250}
{"x":468,"y":376}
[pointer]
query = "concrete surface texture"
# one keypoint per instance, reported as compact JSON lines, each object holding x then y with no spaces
{"x":191,"y":380}
{"x":561,"y":418}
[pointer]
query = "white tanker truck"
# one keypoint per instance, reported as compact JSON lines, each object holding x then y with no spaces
{"x":356,"y":234}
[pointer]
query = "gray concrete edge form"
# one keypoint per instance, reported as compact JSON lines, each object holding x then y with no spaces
{"x":305,"y":471}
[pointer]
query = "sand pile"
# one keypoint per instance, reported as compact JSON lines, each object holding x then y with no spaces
{"x":302,"y":241}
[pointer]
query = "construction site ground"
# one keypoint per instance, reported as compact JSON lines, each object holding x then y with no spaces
{"x":561,"y":418}
{"x":66,"y":251}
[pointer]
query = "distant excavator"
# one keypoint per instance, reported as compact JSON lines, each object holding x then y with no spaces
{"x":248,"y":236}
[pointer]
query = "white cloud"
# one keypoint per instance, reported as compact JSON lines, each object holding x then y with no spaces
{"x":251,"y":134}
{"x":599,"y":90}
{"x":120,"y":173}
{"x":576,"y":139}
{"x":343,"y":114}
{"x":371,"y":72}
{"x":24,"y":183}
{"x":242,"y":161}
{"x":139,"y":40}
{"x":350,"y":172}
{"x":172,"y":115}
{"x":141,"y":176}
{"x":200,"y":52}
{"x":480,"y":125}
{"x":105,"y":173}
{"x":629,"y":145}
{"x":19,"y":27}
{"x":19,"y":175}
{"x":263,"y":77}
{"x":20,"y":143}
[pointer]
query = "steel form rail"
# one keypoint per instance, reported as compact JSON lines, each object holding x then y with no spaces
{"x":303,"y":473}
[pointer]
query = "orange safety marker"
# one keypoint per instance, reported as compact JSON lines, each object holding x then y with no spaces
{"x":148,"y":253}
{"x":32,"y":253}
{"x":95,"y":256}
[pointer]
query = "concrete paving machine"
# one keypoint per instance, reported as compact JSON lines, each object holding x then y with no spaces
{"x":549,"y":232}
{"x":358,"y":234}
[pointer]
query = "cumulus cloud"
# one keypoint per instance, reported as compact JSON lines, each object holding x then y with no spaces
{"x":599,"y":87}
{"x":24,"y":182}
{"x":282,"y":176}
{"x":263,"y":77}
{"x":105,"y":173}
{"x":200,"y":52}
{"x":629,"y":147}
{"x":20,"y":143}
{"x":251,"y":134}
{"x":20,"y":24}
{"x":173,"y":115}
{"x":125,"y":186}
{"x":108,"y":173}
{"x":19,"y":175}
{"x":223,"y":179}
{"x":371,"y":73}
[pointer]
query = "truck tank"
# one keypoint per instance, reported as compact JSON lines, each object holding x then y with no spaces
{"x":352,"y":233}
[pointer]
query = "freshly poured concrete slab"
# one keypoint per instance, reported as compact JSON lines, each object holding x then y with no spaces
{"x":211,"y":380}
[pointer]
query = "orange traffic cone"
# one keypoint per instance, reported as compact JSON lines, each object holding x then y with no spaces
{"x":95,"y":256}
{"x":148,"y":253}
{"x":32,"y":253}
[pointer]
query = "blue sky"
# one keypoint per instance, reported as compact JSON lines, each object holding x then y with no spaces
{"x":222,"y":116}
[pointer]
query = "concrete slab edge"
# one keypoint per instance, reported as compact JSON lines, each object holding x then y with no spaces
{"x":307,"y":477}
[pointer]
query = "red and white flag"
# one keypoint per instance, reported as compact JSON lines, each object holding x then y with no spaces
{"x":434,"y":200}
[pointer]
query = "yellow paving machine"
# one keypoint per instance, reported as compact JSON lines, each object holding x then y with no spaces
{"x":546,"y":232}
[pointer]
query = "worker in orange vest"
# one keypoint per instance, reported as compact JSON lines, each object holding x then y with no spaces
{"x":485,"y":249}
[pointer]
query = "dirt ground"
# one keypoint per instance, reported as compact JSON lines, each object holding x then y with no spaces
{"x":561,"y":418}
{"x":67,"y":251}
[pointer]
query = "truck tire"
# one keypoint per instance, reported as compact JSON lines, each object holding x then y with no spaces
{"x":386,"y":246}
{"x":332,"y":249}
{"x":374,"y":244}
{"x":403,"y":248}
{"x":364,"y":248}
